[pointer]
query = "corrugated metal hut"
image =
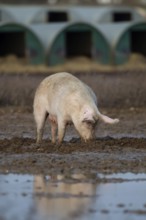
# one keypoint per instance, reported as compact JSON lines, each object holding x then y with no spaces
{"x":110,"y":14}
{"x":56,"y":14}
{"x":72,"y":40}
{"x":5,"y":15}
{"x":21,"y":41}
{"x":52,"y":14}
{"x":53,"y":35}
{"x":38,"y":14}
{"x":14,"y":13}
{"x":125,"y":40}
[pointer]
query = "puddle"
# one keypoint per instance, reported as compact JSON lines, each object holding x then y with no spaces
{"x":82,"y":197}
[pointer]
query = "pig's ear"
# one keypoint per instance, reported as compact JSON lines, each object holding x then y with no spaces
{"x":107,"y":119}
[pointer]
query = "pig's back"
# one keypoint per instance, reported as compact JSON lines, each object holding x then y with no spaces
{"x":66,"y":88}
{"x":62,"y":84}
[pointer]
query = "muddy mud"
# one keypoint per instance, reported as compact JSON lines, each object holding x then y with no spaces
{"x":117,"y":148}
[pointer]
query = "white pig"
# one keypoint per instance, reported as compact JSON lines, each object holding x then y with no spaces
{"x":64,"y":99}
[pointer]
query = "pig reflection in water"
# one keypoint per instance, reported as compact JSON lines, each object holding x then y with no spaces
{"x":64,"y":201}
{"x":63,"y":98}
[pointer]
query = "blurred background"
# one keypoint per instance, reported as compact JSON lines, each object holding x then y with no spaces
{"x":87,"y":2}
{"x":100,"y":34}
{"x":89,"y":38}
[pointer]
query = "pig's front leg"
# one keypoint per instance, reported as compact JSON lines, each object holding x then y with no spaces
{"x":53,"y":131}
{"x":61,"y":130}
{"x":53,"y":121}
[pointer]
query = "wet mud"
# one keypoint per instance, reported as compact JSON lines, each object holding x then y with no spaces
{"x":117,"y":148}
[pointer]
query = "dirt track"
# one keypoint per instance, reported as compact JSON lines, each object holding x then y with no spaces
{"x":118,"y":148}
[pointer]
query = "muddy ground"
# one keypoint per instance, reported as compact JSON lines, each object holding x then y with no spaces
{"x":117,"y":148}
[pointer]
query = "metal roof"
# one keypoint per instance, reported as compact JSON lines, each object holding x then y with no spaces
{"x":34,"y":14}
{"x":22,"y":14}
{"x":47,"y":32}
{"x":113,"y":32}
{"x":40,"y":16}
{"x":104,"y":13}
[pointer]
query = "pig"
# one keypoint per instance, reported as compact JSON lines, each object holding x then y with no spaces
{"x":64,"y":99}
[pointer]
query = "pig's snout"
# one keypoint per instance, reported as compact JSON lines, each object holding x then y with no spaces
{"x":88,"y":137}
{"x":87,"y":130}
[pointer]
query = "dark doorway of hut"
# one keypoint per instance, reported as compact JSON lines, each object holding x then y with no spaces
{"x":78,"y":44}
{"x":138,"y":42}
{"x":12,"y":43}
{"x":56,"y":16}
{"x":121,"y":16}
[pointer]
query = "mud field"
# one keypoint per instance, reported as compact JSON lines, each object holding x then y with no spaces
{"x":117,"y":148}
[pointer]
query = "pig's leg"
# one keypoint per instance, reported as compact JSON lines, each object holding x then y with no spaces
{"x":61,"y":130}
{"x":53,"y":131}
{"x":40,"y":118}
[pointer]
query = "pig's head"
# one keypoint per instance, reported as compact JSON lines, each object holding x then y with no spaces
{"x":86,"y":124}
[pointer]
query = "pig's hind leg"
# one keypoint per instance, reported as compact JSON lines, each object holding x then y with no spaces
{"x":40,"y":118}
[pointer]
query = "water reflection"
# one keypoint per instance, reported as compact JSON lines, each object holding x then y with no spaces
{"x":82,"y":197}
{"x":64,"y":198}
